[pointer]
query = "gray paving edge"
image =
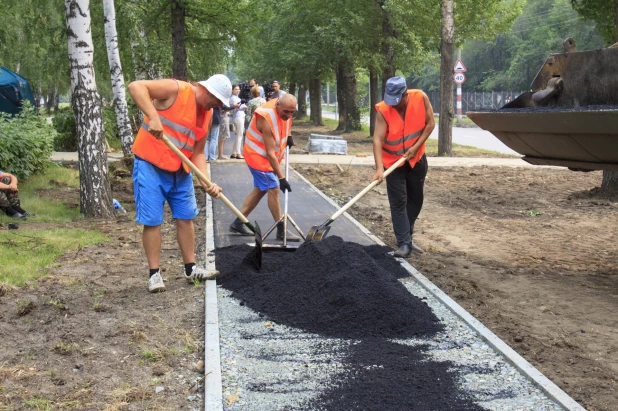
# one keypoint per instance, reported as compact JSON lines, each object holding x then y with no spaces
{"x":535,"y":376}
{"x":213,"y":396}
{"x":213,"y":388}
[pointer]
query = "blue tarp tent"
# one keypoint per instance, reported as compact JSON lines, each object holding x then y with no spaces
{"x":13,"y":89}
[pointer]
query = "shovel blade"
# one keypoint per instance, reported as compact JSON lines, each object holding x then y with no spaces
{"x":254,"y":258}
{"x":316,"y":233}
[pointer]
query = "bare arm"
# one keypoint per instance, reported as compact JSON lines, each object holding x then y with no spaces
{"x":150,"y":95}
{"x":12,"y":186}
{"x":269,"y":142}
{"x":430,"y":124}
{"x":379,"y":134}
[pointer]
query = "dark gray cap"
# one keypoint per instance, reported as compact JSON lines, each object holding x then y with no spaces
{"x":395,"y":87}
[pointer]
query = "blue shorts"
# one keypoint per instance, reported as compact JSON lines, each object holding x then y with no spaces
{"x":264,"y":180}
{"x":153,"y":186}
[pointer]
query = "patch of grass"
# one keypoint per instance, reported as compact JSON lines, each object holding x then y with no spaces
{"x":151,"y":355}
{"x":25,"y":254}
{"x":39,"y":404}
{"x":24,"y":307}
{"x":63,"y":348}
{"x":54,"y":177}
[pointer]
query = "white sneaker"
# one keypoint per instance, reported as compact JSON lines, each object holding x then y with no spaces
{"x":155,"y":283}
{"x":201,"y":274}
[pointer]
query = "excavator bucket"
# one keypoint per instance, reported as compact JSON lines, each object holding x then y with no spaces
{"x":570,"y":116}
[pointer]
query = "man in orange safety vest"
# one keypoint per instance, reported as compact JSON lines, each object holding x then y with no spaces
{"x":404,"y":121}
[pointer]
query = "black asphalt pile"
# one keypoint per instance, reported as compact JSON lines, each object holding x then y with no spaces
{"x":331,"y":287}
{"x":547,"y":109}
{"x":381,"y":375}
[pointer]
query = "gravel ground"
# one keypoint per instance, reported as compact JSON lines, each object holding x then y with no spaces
{"x":268,"y":366}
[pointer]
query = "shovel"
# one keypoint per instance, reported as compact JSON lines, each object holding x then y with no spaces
{"x":317,"y":232}
{"x":255,"y":229}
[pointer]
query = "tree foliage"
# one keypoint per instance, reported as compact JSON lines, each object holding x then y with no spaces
{"x":603,"y":13}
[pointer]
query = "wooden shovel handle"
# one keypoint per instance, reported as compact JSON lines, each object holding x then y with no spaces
{"x":367,"y":189}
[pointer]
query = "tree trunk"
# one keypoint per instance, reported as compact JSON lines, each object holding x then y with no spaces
{"x":56,"y":100}
{"x":49,"y":101}
{"x":302,"y":101}
{"x":113,"y":56}
{"x":179,"y":48}
{"x":95,"y":195}
{"x":373,"y":100}
{"x":351,"y":117}
{"x":292,"y":88}
{"x":315,"y":99}
{"x":388,"y":51}
{"x":341,"y":104}
{"x":447,"y":48}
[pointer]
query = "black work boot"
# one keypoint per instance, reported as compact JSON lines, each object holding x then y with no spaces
{"x":291,"y":237}
{"x":239,"y":227}
{"x":403,"y":251}
{"x":416,"y":248}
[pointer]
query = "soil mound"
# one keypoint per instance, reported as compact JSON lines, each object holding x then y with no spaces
{"x":332,"y":287}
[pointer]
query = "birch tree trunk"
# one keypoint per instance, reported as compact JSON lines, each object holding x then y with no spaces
{"x":115,"y":69}
{"x":447,"y":48}
{"x":95,"y":195}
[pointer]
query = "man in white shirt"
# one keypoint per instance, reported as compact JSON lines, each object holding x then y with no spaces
{"x":277,"y":92}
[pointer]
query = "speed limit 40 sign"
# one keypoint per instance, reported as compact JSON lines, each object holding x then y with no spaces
{"x":459,"y":78}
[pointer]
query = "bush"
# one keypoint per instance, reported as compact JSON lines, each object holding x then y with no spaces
{"x":26,"y":143}
{"x":67,"y":129}
{"x":66,"y":137}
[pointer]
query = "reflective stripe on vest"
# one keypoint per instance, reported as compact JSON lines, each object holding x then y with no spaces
{"x":401,"y":133}
{"x":255,"y":149}
{"x":176,"y":142}
{"x":180,"y":126}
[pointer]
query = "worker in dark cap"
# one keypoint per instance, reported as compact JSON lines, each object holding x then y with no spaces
{"x":404,"y":121}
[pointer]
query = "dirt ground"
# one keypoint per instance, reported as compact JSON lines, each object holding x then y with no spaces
{"x":89,"y":336}
{"x":531,"y":253}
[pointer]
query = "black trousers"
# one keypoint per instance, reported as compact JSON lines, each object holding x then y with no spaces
{"x":405,"y":196}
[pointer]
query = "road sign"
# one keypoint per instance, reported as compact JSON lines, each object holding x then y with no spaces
{"x":459,"y":66}
{"x":459,"y":78}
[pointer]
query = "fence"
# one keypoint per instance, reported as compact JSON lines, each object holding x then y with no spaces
{"x":471,"y":100}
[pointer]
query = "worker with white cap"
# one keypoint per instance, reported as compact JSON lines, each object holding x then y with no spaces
{"x":182,"y":112}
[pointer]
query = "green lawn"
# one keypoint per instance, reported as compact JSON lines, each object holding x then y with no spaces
{"x":24,"y":253}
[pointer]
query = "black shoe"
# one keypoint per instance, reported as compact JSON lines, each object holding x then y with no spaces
{"x":239,"y":227}
{"x":290,"y":236}
{"x":19,"y":216}
{"x":27,"y":214}
{"x":416,"y":248}
{"x":403,"y":251}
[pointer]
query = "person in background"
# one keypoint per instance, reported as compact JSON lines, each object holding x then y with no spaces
{"x":277,"y":92}
{"x":224,"y":130}
{"x":181,"y":112}
{"x":254,"y":103}
{"x":213,"y":135}
{"x":9,"y":197}
{"x":404,"y":121}
{"x":238,"y":118}
{"x":253,"y":82}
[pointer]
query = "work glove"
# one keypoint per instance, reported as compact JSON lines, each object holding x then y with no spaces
{"x":290,"y":141}
{"x":284,"y":185}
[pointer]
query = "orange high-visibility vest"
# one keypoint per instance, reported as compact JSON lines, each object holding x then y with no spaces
{"x":400,"y":134}
{"x":179,"y":126}
{"x":255,"y":149}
